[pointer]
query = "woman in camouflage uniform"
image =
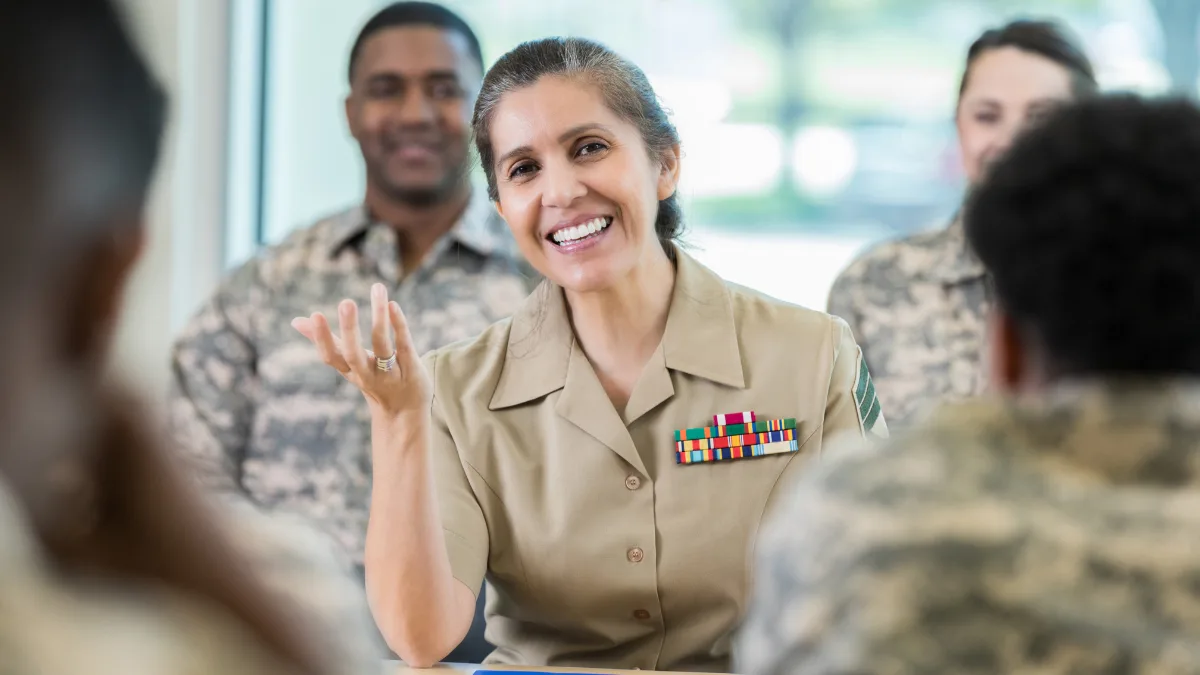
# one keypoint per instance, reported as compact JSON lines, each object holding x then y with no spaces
{"x":917,"y":305}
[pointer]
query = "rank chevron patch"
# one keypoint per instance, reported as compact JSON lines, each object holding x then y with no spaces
{"x":865,"y":399}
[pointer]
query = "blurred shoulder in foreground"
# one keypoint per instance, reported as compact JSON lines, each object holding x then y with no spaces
{"x":110,"y":560}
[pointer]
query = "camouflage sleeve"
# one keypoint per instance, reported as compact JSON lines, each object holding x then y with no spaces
{"x":856,"y":574}
{"x":804,"y":615}
{"x":212,"y":374}
{"x":851,"y":404}
{"x":841,"y":301}
{"x":845,"y":303}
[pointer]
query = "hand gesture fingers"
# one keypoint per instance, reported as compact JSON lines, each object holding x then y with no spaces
{"x":352,"y":349}
{"x":316,"y":329}
{"x":405,"y":353}
{"x":381,"y":340}
{"x":403,"y":388}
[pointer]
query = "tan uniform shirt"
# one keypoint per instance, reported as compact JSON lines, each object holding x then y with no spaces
{"x":599,"y":550}
{"x":253,"y":405}
{"x":918,"y":308}
{"x":1054,"y":534}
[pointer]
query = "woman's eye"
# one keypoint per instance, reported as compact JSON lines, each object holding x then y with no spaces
{"x":521,"y":170}
{"x":987,"y":118}
{"x":592,"y":148}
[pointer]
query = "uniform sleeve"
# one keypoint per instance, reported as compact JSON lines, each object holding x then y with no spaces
{"x":852,"y":405}
{"x":213,"y":371}
{"x":843,"y":303}
{"x":860,"y":571}
{"x":808,"y":612}
{"x":462,"y":518}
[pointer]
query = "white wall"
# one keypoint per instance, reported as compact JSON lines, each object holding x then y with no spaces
{"x":315,"y":165}
{"x":185,"y":42}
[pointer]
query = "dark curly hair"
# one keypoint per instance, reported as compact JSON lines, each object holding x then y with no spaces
{"x":624,"y":87}
{"x":1090,"y":230}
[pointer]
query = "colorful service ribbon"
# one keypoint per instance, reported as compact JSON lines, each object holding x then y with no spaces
{"x":735,"y":436}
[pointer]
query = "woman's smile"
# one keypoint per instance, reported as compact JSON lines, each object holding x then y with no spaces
{"x":579,"y":234}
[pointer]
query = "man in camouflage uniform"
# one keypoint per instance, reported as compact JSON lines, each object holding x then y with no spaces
{"x":1053,"y":529}
{"x":252,"y":403}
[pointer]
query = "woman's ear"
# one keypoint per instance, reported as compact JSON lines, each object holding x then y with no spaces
{"x":668,"y":175}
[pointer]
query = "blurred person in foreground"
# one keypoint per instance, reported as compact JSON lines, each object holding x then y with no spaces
{"x":1053,"y":526}
{"x":110,"y":562}
{"x":918,"y":305}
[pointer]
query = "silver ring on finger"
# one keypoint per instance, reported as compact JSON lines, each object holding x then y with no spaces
{"x":385,"y":365}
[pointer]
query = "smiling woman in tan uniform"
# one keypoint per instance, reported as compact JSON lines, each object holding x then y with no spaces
{"x":542,"y":454}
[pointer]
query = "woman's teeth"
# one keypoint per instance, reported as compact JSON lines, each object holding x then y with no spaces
{"x":570,"y":234}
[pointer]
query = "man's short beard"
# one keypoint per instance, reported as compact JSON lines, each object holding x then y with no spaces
{"x":418,"y":197}
{"x":424,"y":197}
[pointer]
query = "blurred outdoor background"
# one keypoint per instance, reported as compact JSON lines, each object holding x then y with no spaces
{"x":810,"y":127}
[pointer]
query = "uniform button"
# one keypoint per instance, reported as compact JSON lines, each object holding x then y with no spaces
{"x":633,"y":482}
{"x":641,"y":614}
{"x":635,"y":555}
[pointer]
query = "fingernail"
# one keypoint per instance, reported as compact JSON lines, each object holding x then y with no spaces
{"x":344,"y":307}
{"x":377,"y":289}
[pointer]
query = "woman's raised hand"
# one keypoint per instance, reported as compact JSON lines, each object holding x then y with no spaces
{"x":390,"y":374}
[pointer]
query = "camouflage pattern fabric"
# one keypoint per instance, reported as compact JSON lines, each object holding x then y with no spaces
{"x":252,"y":403}
{"x":918,"y":309}
{"x":1051,"y":534}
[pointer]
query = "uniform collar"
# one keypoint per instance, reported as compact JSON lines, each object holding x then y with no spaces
{"x":955,"y":261}
{"x":479,"y":228}
{"x":700,"y":338}
{"x":346,"y":226}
